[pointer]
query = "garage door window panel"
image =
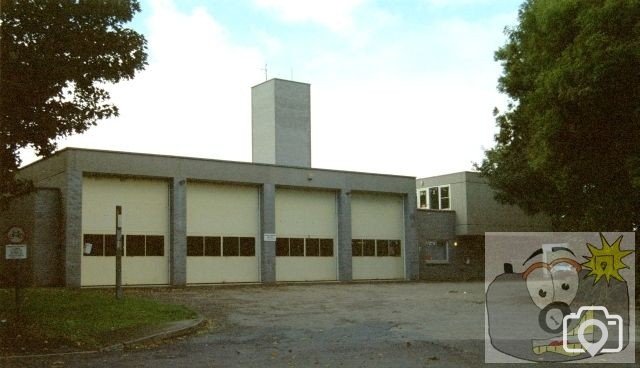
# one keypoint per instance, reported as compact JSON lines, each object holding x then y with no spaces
{"x":356,"y":248}
{"x":93,"y":245}
{"x":230,"y":246}
{"x":154,"y":245}
{"x":135,"y":245}
{"x":326,"y":247}
{"x":312,"y":247}
{"x":369,"y":248}
{"x":212,"y":246}
{"x":195,"y":246}
{"x":282,"y":247}
{"x":382,"y":248}
{"x":247,"y":247}
{"x":110,"y":245}
{"x":296,"y":247}
{"x":395,"y":248}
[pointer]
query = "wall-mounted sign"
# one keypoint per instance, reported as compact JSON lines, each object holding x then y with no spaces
{"x":269,"y":237}
{"x":16,"y":235}
{"x":15,"y":251}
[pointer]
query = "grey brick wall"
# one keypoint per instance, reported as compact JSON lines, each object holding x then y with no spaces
{"x":178,"y":231}
{"x":466,"y":259}
{"x":411,"y":251}
{"x":18,"y":213}
{"x":47,"y":246}
{"x":267,"y":226}
{"x":38,"y":213}
{"x":431,"y":224}
{"x":345,"y":270}
{"x":72,"y":205}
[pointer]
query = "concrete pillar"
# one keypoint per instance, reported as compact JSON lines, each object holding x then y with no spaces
{"x":411,"y":261}
{"x":45,"y":241}
{"x":72,"y":202}
{"x":178,"y":232}
{"x":344,"y":236}
{"x":267,"y":226}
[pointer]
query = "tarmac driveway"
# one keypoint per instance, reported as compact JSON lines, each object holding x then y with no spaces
{"x":323,"y":325}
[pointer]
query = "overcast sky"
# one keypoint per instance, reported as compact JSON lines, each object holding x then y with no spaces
{"x":397,"y":87}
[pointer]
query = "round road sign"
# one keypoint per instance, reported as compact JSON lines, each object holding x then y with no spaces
{"x":16,"y":235}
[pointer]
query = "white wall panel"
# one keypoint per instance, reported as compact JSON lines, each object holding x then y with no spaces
{"x":303,"y":213}
{"x":215,"y":209}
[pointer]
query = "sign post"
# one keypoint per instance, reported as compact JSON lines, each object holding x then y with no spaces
{"x":16,"y":253}
{"x":119,"y":251}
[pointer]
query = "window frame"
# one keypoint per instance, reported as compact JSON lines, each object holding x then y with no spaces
{"x":447,"y":254}
{"x":448,"y":196}
{"x":420,"y":193}
{"x":439,"y":192}
{"x":322,"y":247}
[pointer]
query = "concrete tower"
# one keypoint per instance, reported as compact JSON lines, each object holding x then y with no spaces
{"x":281,"y":123}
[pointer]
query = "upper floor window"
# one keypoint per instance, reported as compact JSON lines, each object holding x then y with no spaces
{"x":435,"y":198}
{"x":444,"y":197}
{"x":422,"y":199}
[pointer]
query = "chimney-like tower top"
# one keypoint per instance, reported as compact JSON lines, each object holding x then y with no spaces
{"x":281,"y":123}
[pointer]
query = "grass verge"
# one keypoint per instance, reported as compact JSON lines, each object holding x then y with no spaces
{"x":56,"y":319}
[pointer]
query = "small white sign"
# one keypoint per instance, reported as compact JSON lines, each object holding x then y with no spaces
{"x":15,"y":251}
{"x":87,"y":248}
{"x":269,"y":237}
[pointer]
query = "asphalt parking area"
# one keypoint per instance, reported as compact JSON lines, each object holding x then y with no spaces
{"x":324,"y":325}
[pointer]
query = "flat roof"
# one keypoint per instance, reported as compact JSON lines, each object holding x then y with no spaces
{"x":209,"y":160}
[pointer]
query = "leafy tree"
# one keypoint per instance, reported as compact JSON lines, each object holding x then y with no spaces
{"x":56,"y":57}
{"x":569,"y":141}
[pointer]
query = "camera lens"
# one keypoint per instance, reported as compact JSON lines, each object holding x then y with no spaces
{"x":550,"y":318}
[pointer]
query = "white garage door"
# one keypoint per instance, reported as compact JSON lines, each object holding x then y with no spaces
{"x":306,"y":228}
{"x":377,"y":234}
{"x":145,"y":207}
{"x":222,"y":233}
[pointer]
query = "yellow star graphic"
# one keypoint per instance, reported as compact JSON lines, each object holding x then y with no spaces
{"x":606,"y":261}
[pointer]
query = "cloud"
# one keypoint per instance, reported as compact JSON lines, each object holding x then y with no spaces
{"x":336,"y":15}
{"x":193,"y":98}
{"x":420,"y":106}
